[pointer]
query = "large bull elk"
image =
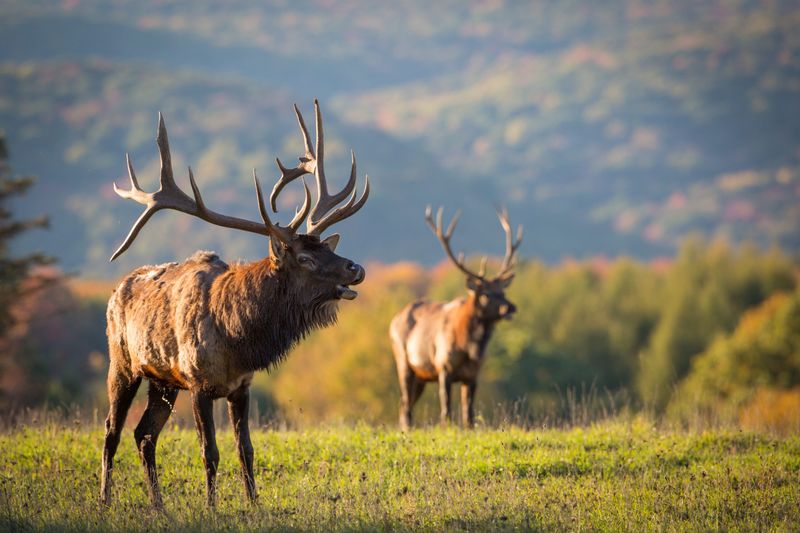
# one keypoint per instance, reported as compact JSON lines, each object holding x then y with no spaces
{"x":445,"y":342}
{"x":206,"y":326}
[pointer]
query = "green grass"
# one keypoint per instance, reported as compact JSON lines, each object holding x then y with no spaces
{"x":611,"y":477}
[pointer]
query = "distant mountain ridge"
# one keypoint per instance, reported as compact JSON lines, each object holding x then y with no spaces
{"x":606,"y":129}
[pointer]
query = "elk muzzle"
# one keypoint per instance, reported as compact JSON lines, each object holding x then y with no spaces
{"x":507,"y":311}
{"x":357,"y":272}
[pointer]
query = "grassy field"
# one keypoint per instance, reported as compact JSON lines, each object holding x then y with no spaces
{"x":611,"y":477}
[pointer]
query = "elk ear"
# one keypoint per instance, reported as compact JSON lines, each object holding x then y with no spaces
{"x":473,"y":284}
{"x":277,"y":250}
{"x":331,"y":241}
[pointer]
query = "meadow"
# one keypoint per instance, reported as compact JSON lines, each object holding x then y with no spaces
{"x":612,"y":476}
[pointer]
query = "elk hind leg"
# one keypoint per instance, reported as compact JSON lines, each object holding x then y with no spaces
{"x":122,"y":387}
{"x":203,"y":409}
{"x":445,"y":382}
{"x":160,"y":401}
{"x":415,"y":390}
{"x":238,"y":409}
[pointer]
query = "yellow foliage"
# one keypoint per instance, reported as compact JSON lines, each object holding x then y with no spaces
{"x":772,"y":410}
{"x":754,"y":320}
{"x":347,"y":372}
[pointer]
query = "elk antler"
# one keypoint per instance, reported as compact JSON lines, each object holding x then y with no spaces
{"x":323,"y":215}
{"x":511,"y":244}
{"x":444,"y":238}
{"x":170,"y":196}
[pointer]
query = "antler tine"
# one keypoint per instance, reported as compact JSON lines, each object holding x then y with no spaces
{"x":482,"y":271}
{"x":308,"y":163}
{"x":444,"y":238}
{"x":135,"y":193}
{"x":167,"y":179}
{"x":322,"y":214}
{"x":325,"y":201}
{"x":306,"y":137}
{"x":168,"y":190}
{"x":511,"y":244}
{"x":170,"y":196}
{"x":341,"y":212}
{"x":137,"y":226}
{"x":300,"y":214}
{"x":134,"y":182}
{"x":274,"y":230}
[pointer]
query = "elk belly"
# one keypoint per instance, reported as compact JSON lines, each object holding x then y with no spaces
{"x":425,"y":373}
{"x":171,"y":376}
{"x":420,"y":358}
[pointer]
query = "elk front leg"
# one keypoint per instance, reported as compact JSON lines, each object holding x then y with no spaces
{"x":121,"y":391}
{"x":160,"y":401}
{"x":468,"y":404}
{"x":445,"y":381}
{"x":202,"y":406}
{"x":238,"y":408}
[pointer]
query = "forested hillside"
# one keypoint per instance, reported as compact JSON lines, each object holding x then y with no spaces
{"x":606,"y":128}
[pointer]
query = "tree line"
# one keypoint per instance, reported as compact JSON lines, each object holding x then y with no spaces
{"x":711,"y":335}
{"x":641,"y":334}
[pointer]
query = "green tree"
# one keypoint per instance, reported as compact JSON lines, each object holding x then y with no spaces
{"x":13,"y":270}
{"x":705,"y":293}
{"x":763,"y":352}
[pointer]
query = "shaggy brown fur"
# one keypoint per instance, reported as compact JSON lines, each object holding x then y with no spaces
{"x":206,"y":327}
{"x":252,"y":313}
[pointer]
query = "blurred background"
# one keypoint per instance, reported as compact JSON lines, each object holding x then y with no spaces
{"x":651,"y":149}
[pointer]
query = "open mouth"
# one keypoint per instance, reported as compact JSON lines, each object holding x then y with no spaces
{"x":345,"y":293}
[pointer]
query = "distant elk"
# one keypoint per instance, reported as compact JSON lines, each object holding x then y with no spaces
{"x":206,"y":326}
{"x":445,"y":342}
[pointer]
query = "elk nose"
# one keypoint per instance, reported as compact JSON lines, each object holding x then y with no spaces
{"x":356,"y":270}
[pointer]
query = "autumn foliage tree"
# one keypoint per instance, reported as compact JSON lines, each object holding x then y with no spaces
{"x":750,"y":376}
{"x":621,"y":328}
{"x":703,"y":295}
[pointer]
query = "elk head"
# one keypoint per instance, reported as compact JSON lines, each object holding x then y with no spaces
{"x":305,"y":255}
{"x":488,"y":294}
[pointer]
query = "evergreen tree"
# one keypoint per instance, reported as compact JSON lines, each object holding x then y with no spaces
{"x":13,"y":270}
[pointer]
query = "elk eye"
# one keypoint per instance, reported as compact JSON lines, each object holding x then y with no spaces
{"x":305,"y":261}
{"x":483,"y":299}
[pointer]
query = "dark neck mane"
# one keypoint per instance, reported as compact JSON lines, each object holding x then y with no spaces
{"x":470,"y":327}
{"x":263,"y":312}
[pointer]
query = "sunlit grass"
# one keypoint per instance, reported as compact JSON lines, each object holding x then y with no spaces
{"x":612,"y":477}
